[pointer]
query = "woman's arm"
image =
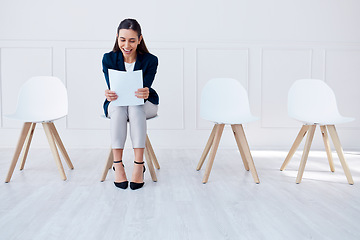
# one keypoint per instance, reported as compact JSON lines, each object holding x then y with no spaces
{"x":148,"y":78}
{"x":110,"y":95}
{"x":149,"y":74}
{"x":106,"y":70}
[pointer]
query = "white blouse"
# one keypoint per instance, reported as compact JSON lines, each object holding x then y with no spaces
{"x":129,"y":66}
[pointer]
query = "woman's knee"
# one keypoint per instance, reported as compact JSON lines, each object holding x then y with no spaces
{"x":150,"y":109}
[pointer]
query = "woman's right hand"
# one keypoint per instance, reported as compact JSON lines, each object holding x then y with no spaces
{"x":110,"y":95}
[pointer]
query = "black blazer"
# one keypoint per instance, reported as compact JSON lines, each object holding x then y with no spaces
{"x":146,"y":62}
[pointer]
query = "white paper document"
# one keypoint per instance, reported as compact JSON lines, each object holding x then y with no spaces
{"x":125,"y":84}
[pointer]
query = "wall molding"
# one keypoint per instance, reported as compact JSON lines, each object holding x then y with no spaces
{"x":190,"y":73}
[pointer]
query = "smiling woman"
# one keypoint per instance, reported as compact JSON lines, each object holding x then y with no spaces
{"x":128,"y":28}
{"x":130,"y":54}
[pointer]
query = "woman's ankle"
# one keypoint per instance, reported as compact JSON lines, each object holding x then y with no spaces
{"x":120,"y":174}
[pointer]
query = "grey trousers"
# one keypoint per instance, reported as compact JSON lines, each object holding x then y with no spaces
{"x":136,"y":116}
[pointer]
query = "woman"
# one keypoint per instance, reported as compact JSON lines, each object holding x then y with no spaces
{"x":130,"y":54}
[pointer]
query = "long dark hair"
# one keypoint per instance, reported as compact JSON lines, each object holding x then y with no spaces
{"x":133,"y":25}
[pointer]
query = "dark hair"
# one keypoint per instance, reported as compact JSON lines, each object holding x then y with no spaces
{"x":133,"y":25}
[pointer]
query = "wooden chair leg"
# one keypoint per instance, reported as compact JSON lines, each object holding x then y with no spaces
{"x":110,"y":158}
{"x":295,"y":146}
{"x":327,"y":147}
{"x":150,"y":164}
{"x":27,"y":145}
{"x":339,"y":150}
{"x":53,"y":148}
{"x":207,"y":147}
{"x":305,"y":153}
{"x":18,"y":149}
{"x":152,"y":153}
{"x":237,"y":139}
{"x":108,"y":165}
{"x":247,"y":154}
{"x":215,"y":145}
{"x":60,"y":145}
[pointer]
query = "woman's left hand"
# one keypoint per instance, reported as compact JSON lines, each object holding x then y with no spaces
{"x":142,"y":93}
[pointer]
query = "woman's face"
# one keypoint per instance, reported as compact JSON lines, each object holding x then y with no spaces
{"x":128,"y":41}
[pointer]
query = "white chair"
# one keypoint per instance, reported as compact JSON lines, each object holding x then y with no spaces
{"x":150,"y":158}
{"x":43,"y":100}
{"x":225,"y":101}
{"x":313,"y":102}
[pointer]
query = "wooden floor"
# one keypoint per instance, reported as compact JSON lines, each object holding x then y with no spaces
{"x":37,"y":204}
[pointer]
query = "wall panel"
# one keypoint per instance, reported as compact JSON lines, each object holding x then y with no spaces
{"x":86,"y":86}
{"x":17,"y":66}
{"x":280,"y":68}
{"x":169,"y":84}
{"x":220,"y":63}
{"x":343,"y":74}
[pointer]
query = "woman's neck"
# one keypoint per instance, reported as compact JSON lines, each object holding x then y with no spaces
{"x":130,"y":59}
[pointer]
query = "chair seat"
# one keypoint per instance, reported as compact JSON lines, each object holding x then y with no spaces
{"x":225,"y":100}
{"x":34,"y":119}
{"x":238,"y":120}
{"x":104,"y":117}
{"x":313,"y":102}
{"x":333,"y":120}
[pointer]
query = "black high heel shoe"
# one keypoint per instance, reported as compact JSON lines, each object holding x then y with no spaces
{"x":124,"y":184}
{"x":134,"y":185}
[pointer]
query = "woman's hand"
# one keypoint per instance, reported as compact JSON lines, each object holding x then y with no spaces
{"x":110,"y":95}
{"x":142,"y":93}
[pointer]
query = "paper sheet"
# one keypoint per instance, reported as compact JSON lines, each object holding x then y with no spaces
{"x":125,"y":84}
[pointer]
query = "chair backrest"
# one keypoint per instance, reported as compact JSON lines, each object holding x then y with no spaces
{"x":41,"y":99}
{"x":225,"y":100}
{"x":312,"y":101}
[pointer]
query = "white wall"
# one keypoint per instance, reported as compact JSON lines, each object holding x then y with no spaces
{"x":265,"y":44}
